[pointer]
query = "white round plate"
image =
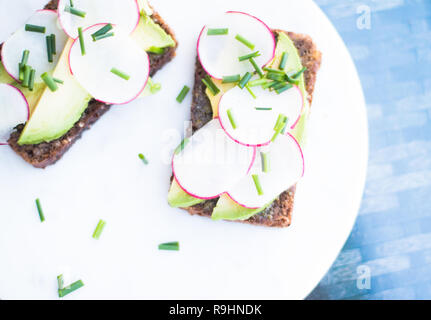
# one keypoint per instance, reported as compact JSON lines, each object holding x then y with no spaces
{"x":101,"y":177}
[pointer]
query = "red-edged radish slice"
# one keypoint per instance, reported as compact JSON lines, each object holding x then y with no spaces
{"x":14,"y":110}
{"x":286,"y":167}
{"x":34,"y":42}
{"x":254,"y":126}
{"x":219,"y":54}
{"x":210,"y":163}
{"x":93,"y":70}
{"x":123,"y":13}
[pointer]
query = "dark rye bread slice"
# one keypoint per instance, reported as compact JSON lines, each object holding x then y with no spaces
{"x":279,"y":214}
{"x":47,"y":153}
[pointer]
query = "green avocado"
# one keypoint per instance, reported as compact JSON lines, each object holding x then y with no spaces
{"x":178,"y":198}
{"x":226,"y":208}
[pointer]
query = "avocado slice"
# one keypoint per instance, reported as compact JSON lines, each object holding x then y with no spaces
{"x":178,"y":198}
{"x":227,"y":209}
{"x":56,"y":112}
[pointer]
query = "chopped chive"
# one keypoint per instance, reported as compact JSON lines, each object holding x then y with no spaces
{"x":282,"y":89}
{"x":218,"y":32}
{"x":211,"y":85}
{"x":260,"y":108}
{"x":250,"y":91}
{"x":102,"y":31}
{"x":298,"y":74}
{"x":244,"y":80}
{"x":40,"y":211}
{"x":256,"y":67}
{"x":258,"y":82}
{"x":268,"y":84}
{"x":21,"y":67}
{"x":156,"y":50}
{"x":71,"y":3}
{"x":31,"y":82}
{"x":283,"y":61}
{"x":58,"y":80}
{"x":265,"y":161}
{"x":154,"y":87}
{"x":120,"y":74}
{"x":231,"y":79}
{"x":181,"y":146}
{"x":278,"y":85}
{"x":98,"y":231}
{"x":280,"y":120}
{"x":248,"y":56}
{"x":53,"y":44}
{"x":60,"y":282}
{"x":103,"y":36}
{"x":25,"y":55}
{"x":34,"y":28}
{"x":291,"y":80}
{"x":231,"y":118}
{"x":81,"y":41}
{"x":49,"y":81}
{"x":271,"y":70}
{"x":49,"y":48}
{"x":27,"y":72}
{"x":70,"y":288}
{"x":244,"y":41}
{"x":172,"y":246}
{"x":257,"y":184}
{"x":283,"y":131}
{"x":275,"y":76}
{"x":142,"y":157}
{"x":74,"y":11}
{"x":280,"y":126}
{"x":183,"y":94}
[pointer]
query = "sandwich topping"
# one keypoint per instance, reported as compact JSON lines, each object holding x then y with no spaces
{"x":257,"y":92}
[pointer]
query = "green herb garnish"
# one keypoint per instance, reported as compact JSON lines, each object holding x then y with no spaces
{"x":181,"y":146}
{"x":99,"y":228}
{"x":70,"y":288}
{"x":81,"y":41}
{"x":102,"y":31}
{"x":260,"y":108}
{"x":244,"y":80}
{"x":49,"y":81}
{"x":142,"y":157}
{"x":58,"y":80}
{"x":265,"y":161}
{"x":40,"y":211}
{"x":49,"y":48}
{"x":34,"y":28}
{"x":217,"y":32}
{"x":172,"y":246}
{"x":103,"y":36}
{"x":257,"y":184}
{"x":210,"y":85}
{"x":121,"y":74}
{"x":256,"y":67}
{"x":183,"y":94}
{"x":283,"y":61}
{"x":53,"y":44}
{"x":31,"y":81}
{"x":231,"y":118}
{"x":27,"y":72}
{"x":284,"y":88}
{"x":248,"y":56}
{"x":75,"y":12}
{"x":250,"y":91}
{"x":244,"y":41}
{"x":25,"y":55}
{"x":231,"y":79}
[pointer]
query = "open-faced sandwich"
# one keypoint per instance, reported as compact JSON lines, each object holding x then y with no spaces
{"x":61,"y":71}
{"x":251,"y":100}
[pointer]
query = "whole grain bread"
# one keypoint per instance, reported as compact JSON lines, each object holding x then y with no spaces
{"x":279,"y":213}
{"x":47,"y":153}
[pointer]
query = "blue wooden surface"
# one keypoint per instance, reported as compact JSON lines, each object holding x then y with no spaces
{"x":392,"y":234}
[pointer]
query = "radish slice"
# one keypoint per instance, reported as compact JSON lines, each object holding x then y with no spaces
{"x":219,"y":54}
{"x":122,"y":13}
{"x":34,"y":42}
{"x":14,"y":110}
{"x":93,"y":70}
{"x":286,"y":167}
{"x":210,"y":162}
{"x":255,"y":127}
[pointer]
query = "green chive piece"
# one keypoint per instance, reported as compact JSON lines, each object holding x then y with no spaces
{"x":49,"y":81}
{"x":21,"y":67}
{"x":60,"y":282}
{"x":102,"y":31}
{"x":248,"y":56}
{"x":40,"y":211}
{"x":121,"y":74}
{"x":70,"y":288}
{"x":231,"y":118}
{"x":156,"y":50}
{"x":270,"y":70}
{"x":53,"y":44}
{"x":172,"y":246}
{"x":71,"y":3}
{"x":183,"y":94}
{"x":74,"y":11}
{"x":244,"y":80}
{"x":260,"y":108}
{"x":31,"y":82}
{"x":251,"y":92}
{"x":81,"y":41}
{"x":268,"y":84}
{"x":278,"y":85}
{"x":257,"y":184}
{"x":231,"y":79}
{"x":283,"y":61}
{"x":27,"y":72}
{"x":265,"y":161}
{"x":284,"y":88}
{"x":49,"y":48}
{"x":275,"y":76}
{"x":258,"y":82}
{"x":25,"y":55}
{"x":256,"y":67}
{"x":211,"y":85}
{"x":218,"y":32}
{"x":103,"y":36}
{"x":280,"y":120}
{"x":154,"y":87}
{"x":283,"y":131}
{"x":298,"y":74}
{"x":34,"y":28}
{"x":58,"y":80}
{"x":142,"y":157}
{"x":244,"y":41}
{"x":98,"y":231}
{"x":181,"y":146}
